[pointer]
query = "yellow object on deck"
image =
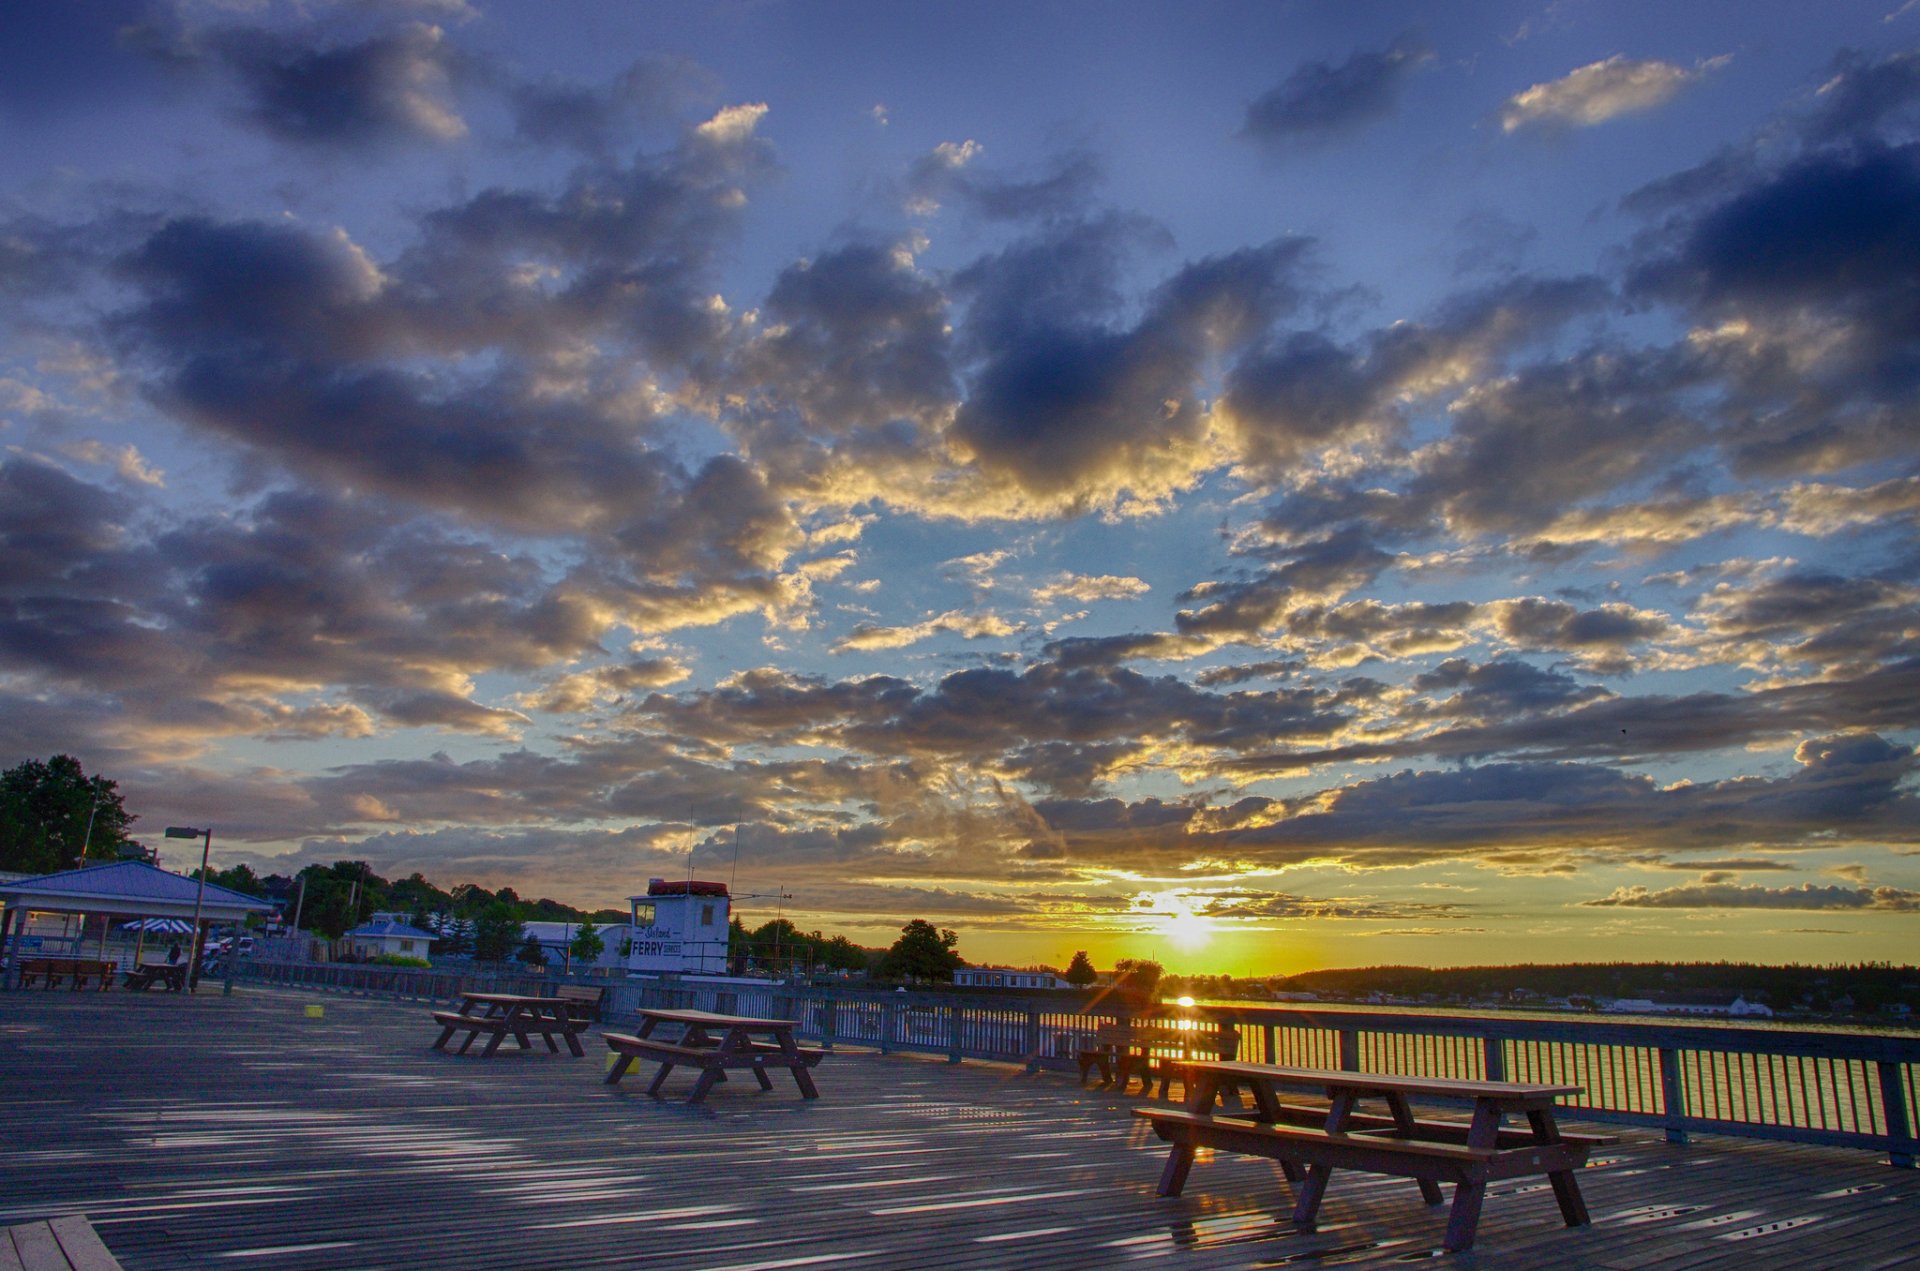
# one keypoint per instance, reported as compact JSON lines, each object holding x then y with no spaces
{"x":316,"y":1012}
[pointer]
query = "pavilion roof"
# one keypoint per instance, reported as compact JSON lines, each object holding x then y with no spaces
{"x":132,"y":888}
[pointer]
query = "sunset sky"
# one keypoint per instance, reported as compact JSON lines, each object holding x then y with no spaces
{"x":1257,"y":486}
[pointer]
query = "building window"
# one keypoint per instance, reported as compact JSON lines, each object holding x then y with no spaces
{"x":706,"y":915}
{"x":406,"y":946}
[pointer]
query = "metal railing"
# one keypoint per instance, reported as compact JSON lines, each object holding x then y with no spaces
{"x":1841,"y":1089}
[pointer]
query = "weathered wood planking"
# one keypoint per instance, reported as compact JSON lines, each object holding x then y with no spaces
{"x":191,"y":1128}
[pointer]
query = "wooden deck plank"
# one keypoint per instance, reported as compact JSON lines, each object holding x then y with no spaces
{"x":196,"y":1128}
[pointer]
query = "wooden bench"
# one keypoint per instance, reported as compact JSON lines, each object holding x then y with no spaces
{"x":148,"y":974}
{"x":60,"y":1244}
{"x":1470,"y":1169}
{"x":1122,"y":1052}
{"x":709,"y":1059}
{"x":584,"y":1001}
{"x":53,"y":971}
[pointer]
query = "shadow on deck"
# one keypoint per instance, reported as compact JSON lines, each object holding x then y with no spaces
{"x":219,"y":1131}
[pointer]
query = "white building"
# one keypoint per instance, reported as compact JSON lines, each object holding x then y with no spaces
{"x":389,"y":934}
{"x":555,"y":938}
{"x":680,"y":928}
{"x":1000,"y":977}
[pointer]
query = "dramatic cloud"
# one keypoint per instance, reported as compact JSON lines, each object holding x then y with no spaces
{"x":1704,"y":895}
{"x":1019,"y":503}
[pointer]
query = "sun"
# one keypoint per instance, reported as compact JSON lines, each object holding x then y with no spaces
{"x":1183,"y":926}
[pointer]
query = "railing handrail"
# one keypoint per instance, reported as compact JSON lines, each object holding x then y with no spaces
{"x":1859,"y":1092}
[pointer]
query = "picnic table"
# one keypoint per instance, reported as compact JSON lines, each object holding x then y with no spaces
{"x":713,"y":1043}
{"x":1123,"y":1051}
{"x":148,"y":974}
{"x":503,"y":1015}
{"x":1468,"y":1154}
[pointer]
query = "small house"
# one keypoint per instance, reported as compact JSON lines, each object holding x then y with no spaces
{"x":389,"y":935}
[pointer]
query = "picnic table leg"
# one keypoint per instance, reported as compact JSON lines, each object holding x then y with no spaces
{"x":441,"y":1044}
{"x":1566,"y":1188}
{"x":708,"y":1077}
{"x":760,"y":1074}
{"x":493,"y":1043}
{"x":1306,"y":1209}
{"x":804,"y":1079}
{"x":659,"y":1079}
{"x":620,"y":1065}
{"x":1403,"y":1128}
{"x":473,"y":1035}
{"x":1174,"y":1177}
{"x":1464,"y":1218}
{"x":553,"y":1047}
{"x":573,"y":1044}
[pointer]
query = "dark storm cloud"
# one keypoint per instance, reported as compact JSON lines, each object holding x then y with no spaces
{"x":1851,"y":786}
{"x":1863,"y":94}
{"x":1500,"y":690}
{"x":859,"y":339}
{"x":1070,"y":408}
{"x":393,"y":85}
{"x":1061,"y":727}
{"x":1553,"y":436}
{"x":1804,"y":269}
{"x":1845,"y":625}
{"x":1299,"y":392}
{"x":1317,"y":100}
{"x":1313,"y":572}
{"x":299,"y":345}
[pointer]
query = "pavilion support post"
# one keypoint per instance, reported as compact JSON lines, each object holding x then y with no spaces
{"x":7,"y":943}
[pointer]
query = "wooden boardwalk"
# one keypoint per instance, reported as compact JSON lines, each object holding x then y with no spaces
{"x":236,"y":1131}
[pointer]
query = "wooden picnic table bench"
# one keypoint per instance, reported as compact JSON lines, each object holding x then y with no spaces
{"x":1398,"y":1144}
{"x":148,"y":974}
{"x":584,"y":1000}
{"x":502,"y":1015}
{"x":51,"y":971}
{"x":1123,"y":1051}
{"x":67,"y":1243}
{"x":714,"y":1044}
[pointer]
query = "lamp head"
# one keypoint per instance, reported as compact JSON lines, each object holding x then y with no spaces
{"x":183,"y":832}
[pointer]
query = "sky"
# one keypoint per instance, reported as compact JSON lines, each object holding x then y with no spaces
{"x":1253,"y":486}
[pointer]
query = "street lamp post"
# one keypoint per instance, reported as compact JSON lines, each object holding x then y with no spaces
{"x":193,"y":952}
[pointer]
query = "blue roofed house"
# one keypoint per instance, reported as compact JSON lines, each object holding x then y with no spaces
{"x":389,"y":934}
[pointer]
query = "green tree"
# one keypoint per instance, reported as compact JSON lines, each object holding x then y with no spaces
{"x":456,"y":937}
{"x":922,"y":952}
{"x":240,"y":878}
{"x":842,"y":954}
{"x":1080,"y":972}
{"x":531,"y":953}
{"x":53,"y":817}
{"x":587,"y":944}
{"x":1138,"y":976}
{"x":496,"y":932}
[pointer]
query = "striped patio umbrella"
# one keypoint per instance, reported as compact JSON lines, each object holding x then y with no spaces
{"x":161,"y":926}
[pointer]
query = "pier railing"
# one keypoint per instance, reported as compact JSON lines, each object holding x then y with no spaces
{"x":1844,"y":1089}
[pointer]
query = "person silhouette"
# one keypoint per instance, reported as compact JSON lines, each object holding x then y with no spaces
{"x":173,"y":954}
